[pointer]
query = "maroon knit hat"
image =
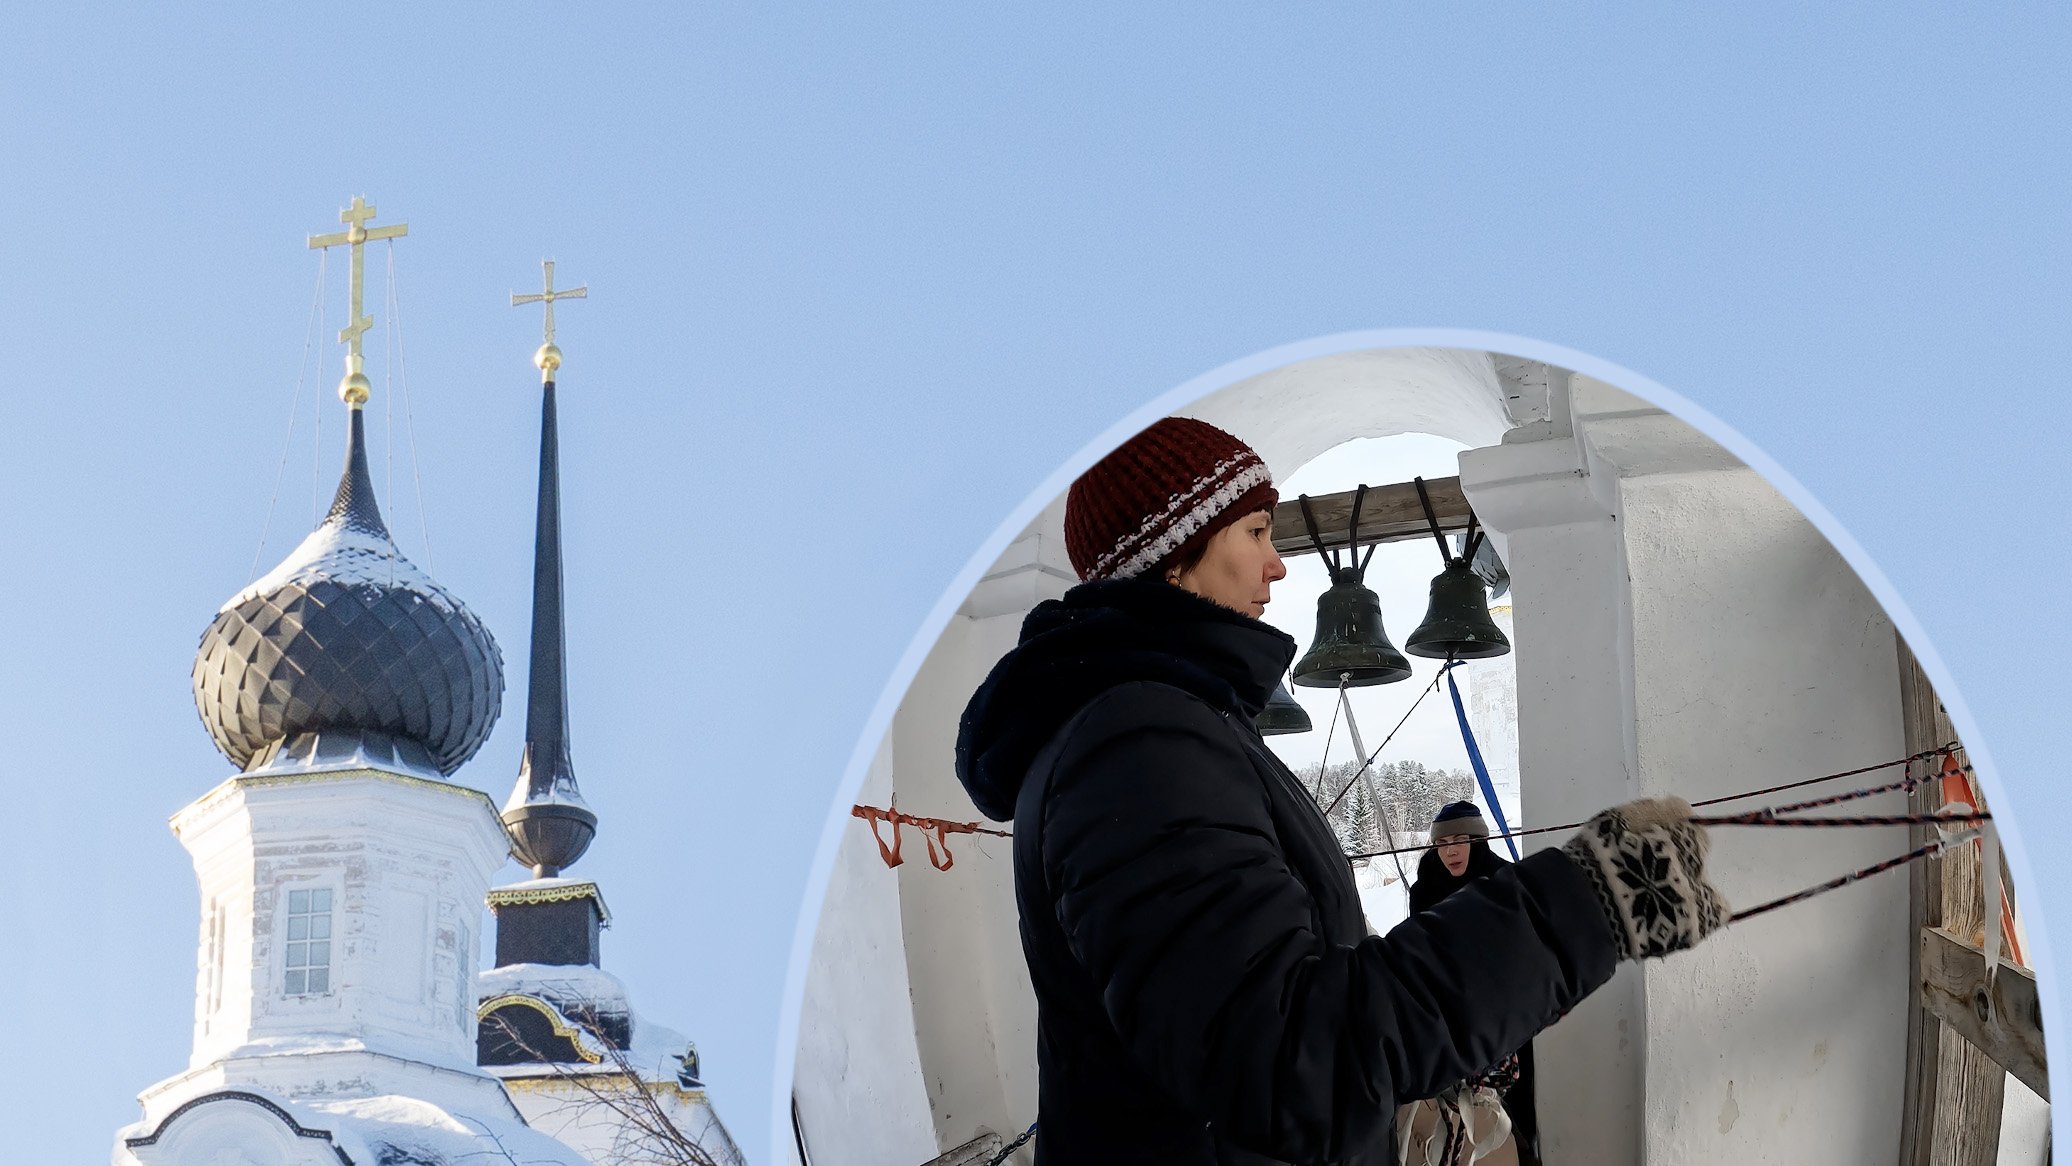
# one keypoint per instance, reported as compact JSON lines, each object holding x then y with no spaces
{"x":1163,"y":493}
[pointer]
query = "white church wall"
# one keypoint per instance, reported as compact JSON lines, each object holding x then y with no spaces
{"x":2024,"y":1126}
{"x":1759,"y":658}
{"x":404,"y":860}
{"x":1289,"y":415}
{"x":974,"y":1009}
{"x":861,"y":1096}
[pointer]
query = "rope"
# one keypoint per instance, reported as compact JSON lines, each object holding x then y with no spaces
{"x":1388,"y":829}
{"x":316,"y":456}
{"x":1905,"y":783}
{"x":388,"y":378}
{"x":1926,"y":753}
{"x":409,"y":410}
{"x":1923,"y":755}
{"x":1325,"y":758}
{"x":1769,"y":818}
{"x":1927,"y":851}
{"x":1429,"y":689}
{"x":1467,"y":739}
{"x":309,"y":338}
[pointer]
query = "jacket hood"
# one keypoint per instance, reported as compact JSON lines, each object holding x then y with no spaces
{"x":1097,"y":636}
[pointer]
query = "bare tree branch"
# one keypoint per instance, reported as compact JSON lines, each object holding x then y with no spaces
{"x":647,"y":1133}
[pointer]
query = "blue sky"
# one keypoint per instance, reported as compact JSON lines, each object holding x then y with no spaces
{"x":862,"y":278}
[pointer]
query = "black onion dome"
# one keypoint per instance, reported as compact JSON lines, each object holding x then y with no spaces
{"x":348,"y":639}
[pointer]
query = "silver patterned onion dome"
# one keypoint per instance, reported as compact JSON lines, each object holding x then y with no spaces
{"x":347,"y":648}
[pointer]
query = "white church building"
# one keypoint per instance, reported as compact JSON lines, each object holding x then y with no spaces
{"x":1679,"y":627}
{"x":342,"y":1013}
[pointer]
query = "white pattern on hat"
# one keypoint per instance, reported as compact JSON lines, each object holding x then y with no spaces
{"x":1251,"y":473}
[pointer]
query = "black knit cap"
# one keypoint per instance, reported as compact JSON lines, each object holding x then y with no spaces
{"x":1460,"y":818}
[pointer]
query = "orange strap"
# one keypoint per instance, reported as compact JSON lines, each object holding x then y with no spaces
{"x":874,"y":815}
{"x":935,"y":833}
{"x":1958,"y":791}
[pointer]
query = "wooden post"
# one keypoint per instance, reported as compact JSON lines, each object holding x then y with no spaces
{"x":1954,"y":1091}
{"x":2001,"y":1018}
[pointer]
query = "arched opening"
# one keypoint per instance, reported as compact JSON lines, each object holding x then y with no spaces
{"x":1680,"y":628}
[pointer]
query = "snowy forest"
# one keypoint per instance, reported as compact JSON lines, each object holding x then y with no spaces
{"x":1398,"y":795}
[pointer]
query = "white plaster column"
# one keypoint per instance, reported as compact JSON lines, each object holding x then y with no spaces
{"x":1555,"y":509}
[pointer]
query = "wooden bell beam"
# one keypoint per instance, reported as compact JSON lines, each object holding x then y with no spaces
{"x":1388,"y":514}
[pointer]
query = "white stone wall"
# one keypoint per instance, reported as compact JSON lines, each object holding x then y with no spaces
{"x":858,"y":1082}
{"x":406,"y":859}
{"x":974,"y":1011}
{"x":1758,"y":659}
{"x":911,"y":1049}
{"x":1683,"y":629}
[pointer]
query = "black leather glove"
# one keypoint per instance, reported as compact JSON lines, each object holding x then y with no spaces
{"x":1647,"y":863}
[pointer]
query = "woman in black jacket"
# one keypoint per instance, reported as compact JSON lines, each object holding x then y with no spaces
{"x":1460,"y":853}
{"x":1206,"y":989}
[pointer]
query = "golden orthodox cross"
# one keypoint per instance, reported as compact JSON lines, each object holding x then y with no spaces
{"x":356,"y":235}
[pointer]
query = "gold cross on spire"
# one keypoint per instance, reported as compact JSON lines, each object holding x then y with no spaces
{"x":548,"y":358}
{"x":354,"y":388}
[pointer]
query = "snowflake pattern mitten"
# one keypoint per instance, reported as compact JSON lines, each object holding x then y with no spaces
{"x":1647,"y":863}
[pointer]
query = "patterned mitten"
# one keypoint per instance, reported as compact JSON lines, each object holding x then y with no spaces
{"x":1647,"y":863}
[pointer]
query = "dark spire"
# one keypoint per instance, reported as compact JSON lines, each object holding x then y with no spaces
{"x":549,"y":824}
{"x":354,"y":504}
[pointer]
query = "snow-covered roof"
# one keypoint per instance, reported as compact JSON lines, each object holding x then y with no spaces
{"x":406,"y":1131}
{"x":382,"y":1130}
{"x":657,"y":1052}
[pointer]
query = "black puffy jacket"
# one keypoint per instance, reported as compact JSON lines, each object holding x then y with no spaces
{"x":1206,"y":988}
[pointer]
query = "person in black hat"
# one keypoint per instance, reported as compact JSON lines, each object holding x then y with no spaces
{"x":1206,"y":989}
{"x":1460,"y":853}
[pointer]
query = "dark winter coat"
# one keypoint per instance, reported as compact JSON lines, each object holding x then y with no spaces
{"x":1434,"y":882}
{"x":1433,"y":886}
{"x":1206,"y":988}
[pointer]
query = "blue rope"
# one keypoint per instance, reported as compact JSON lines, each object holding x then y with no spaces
{"x":1467,"y":737}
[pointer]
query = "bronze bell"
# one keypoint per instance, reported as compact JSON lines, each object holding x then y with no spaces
{"x":1282,"y":714}
{"x":1457,"y":624}
{"x":1350,"y":644}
